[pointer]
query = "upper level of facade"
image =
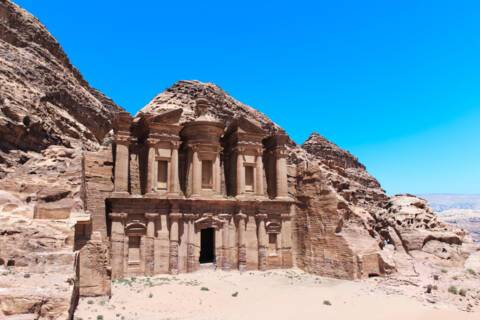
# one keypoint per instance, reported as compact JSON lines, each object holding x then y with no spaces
{"x":156,"y":156}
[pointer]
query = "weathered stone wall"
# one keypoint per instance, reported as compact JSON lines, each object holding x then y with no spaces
{"x":94,"y":268}
{"x":330,"y":239}
{"x":37,"y":265}
{"x":98,"y":185}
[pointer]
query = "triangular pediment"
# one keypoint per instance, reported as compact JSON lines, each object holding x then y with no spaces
{"x":167,"y":117}
{"x":248,"y":126}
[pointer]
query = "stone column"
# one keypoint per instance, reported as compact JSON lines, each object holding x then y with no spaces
{"x":151,"y":174}
{"x":174,"y":216}
{"x":149,"y":244}
{"x":197,"y":173}
{"x":121,"y":163}
{"x":218,"y":175}
{"x":242,"y":248}
{"x":259,"y":174}
{"x":262,"y":242}
{"x":174,"y":183}
{"x":281,"y":173}
{"x":240,"y":172}
{"x":118,"y":239}
{"x":225,"y":248}
{"x":190,"y":242}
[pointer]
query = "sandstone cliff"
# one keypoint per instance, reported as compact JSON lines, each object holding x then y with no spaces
{"x":43,"y":99}
{"x":48,"y":116}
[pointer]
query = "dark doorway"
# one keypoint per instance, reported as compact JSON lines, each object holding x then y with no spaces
{"x":207,"y":245}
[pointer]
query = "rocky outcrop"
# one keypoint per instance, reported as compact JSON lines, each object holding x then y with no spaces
{"x":222,"y":106}
{"x":49,"y":116}
{"x":345,"y":173}
{"x":37,"y":273}
{"x":43,"y":99}
{"x":409,"y":222}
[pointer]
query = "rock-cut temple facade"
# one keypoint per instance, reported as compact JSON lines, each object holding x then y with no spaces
{"x":187,"y":194}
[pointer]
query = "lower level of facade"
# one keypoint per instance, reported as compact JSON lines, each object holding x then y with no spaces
{"x":156,"y":236}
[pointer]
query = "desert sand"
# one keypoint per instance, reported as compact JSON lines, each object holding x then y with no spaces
{"x":281,"y":294}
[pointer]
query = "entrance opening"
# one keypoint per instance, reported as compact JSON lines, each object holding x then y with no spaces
{"x":207,"y":245}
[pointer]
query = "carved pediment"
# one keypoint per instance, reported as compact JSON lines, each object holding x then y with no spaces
{"x":208,"y":221}
{"x":135,"y":227}
{"x":244,"y":125}
{"x":167,"y":117}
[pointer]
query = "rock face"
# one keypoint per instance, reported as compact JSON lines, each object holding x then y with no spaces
{"x":37,"y":272}
{"x":49,"y":116}
{"x":183,"y":94}
{"x":43,"y":99}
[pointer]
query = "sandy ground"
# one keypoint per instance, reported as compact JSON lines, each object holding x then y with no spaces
{"x":282,"y":294}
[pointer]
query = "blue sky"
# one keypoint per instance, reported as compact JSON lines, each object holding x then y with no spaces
{"x":397,"y":83}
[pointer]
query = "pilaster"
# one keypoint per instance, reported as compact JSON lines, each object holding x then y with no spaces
{"x":149,"y":243}
{"x":151,"y":165}
{"x":122,"y":156}
{"x":281,"y":173}
{"x":242,"y":249}
{"x":196,"y":173}
{"x":174,"y":183}
{"x":174,"y":216}
{"x":191,"y":263}
{"x":118,"y":244}
{"x":262,"y":241}
{"x":240,"y":172}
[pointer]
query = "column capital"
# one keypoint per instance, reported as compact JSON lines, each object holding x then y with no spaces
{"x":151,"y":216}
{"x":118,"y":216}
{"x":122,"y":138}
{"x":175,"y":216}
{"x":225,"y":216}
{"x":261,"y":216}
{"x":194,"y":147}
{"x":240,"y":216}
{"x":189,"y":216}
{"x":280,"y":152}
{"x":259,"y":152}
{"x":240,"y":150}
{"x":152,"y":142}
{"x":175,"y":144}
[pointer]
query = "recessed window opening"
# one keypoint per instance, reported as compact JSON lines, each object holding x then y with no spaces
{"x":249,"y":178}
{"x":133,"y":249}
{"x":162,"y":175}
{"x":207,"y":174}
{"x":272,"y":243}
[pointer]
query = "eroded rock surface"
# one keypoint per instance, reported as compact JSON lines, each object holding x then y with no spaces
{"x":48,"y":116}
{"x":43,"y":99}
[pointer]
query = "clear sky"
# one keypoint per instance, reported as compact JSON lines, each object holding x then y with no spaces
{"x":397,"y":83}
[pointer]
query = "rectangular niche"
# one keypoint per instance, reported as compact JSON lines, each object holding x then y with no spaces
{"x":272,"y":244}
{"x":207,"y":174}
{"x":162,"y":176}
{"x":134,"y":250}
{"x":249,"y":178}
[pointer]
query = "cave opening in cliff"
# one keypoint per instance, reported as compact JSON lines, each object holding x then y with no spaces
{"x":207,"y":245}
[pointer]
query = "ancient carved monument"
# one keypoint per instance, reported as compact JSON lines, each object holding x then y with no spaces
{"x":198,"y":193}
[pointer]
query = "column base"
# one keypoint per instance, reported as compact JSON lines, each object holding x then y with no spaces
{"x":175,"y":195}
{"x":120,"y":194}
{"x":284,"y":198}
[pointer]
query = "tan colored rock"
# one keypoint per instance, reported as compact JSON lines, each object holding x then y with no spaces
{"x":43,"y":99}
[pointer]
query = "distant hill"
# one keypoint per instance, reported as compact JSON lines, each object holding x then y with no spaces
{"x":461,"y":210}
{"x":443,"y":202}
